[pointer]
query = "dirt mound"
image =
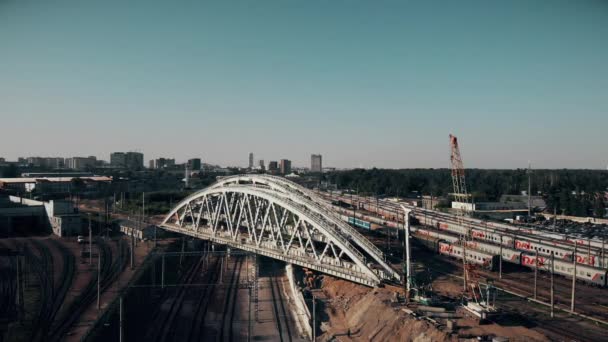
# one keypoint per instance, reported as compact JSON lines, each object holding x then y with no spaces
{"x":359,"y":313}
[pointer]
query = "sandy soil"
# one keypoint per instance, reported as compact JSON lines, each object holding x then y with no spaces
{"x":369,"y":316}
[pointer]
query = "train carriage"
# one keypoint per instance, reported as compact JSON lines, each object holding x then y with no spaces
{"x":486,"y":260}
{"x":588,"y":274}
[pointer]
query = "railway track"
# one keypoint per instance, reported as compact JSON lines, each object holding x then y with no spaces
{"x":197,"y":326}
{"x":590,"y":300}
{"x":168,"y":303}
{"x":109,"y":271}
{"x":278,"y":303}
{"x":169,"y":322}
{"x":227,"y":331}
{"x":44,"y":270}
{"x":8,"y":289}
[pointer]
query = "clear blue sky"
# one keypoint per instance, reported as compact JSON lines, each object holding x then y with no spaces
{"x":365,"y":83}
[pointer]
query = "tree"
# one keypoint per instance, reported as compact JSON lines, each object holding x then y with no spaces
{"x":11,"y":171}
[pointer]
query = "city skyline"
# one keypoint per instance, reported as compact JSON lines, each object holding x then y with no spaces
{"x":378,"y":84}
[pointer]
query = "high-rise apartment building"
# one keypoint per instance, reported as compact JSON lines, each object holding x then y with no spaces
{"x":128,"y":160}
{"x":251,"y":160}
{"x":285,"y":166}
{"x":194,"y":164}
{"x":46,"y":162}
{"x":261,"y":164}
{"x":80,"y":163}
{"x":316,"y":164}
{"x":164,"y":163}
{"x":273,"y":167}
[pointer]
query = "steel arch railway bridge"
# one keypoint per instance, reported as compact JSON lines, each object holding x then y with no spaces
{"x":277,"y":218}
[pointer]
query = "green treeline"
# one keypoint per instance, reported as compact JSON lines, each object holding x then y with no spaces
{"x":573,"y":192}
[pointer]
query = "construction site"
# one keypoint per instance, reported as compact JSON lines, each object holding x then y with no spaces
{"x":258,"y":257}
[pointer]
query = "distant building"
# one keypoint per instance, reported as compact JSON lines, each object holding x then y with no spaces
{"x":285,"y":166}
{"x":56,"y":174}
{"x":316,"y":164}
{"x":261,"y":164}
{"x":521,"y":201}
{"x":80,"y":163}
{"x":59,"y":215}
{"x":128,"y":160}
{"x":45,"y":162}
{"x":118,"y":159}
{"x":164,"y":163}
{"x":54,"y":185}
{"x":194,"y":164}
{"x":432,"y":202}
{"x":251,"y":160}
{"x":273,"y":167}
{"x":151,"y":164}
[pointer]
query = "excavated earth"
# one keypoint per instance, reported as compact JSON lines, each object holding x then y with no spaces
{"x":358,"y":313}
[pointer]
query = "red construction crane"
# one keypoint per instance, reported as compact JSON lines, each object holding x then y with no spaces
{"x":458,"y":181}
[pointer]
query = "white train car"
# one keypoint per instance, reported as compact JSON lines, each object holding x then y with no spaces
{"x":585,"y":273}
{"x":435,"y":234}
{"x":486,"y":260}
{"x":508,"y":254}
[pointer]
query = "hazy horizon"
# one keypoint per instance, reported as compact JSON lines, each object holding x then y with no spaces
{"x":366,"y":84}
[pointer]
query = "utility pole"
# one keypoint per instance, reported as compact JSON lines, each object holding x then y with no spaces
{"x":155,"y":243}
{"x":536,"y":274}
{"x":106,"y":219}
{"x":249,"y":321}
{"x":408,"y":266}
{"x":132,"y":247}
{"x":314,"y":319}
{"x":19,"y":298}
{"x":143,"y":209}
{"x":552,"y":286}
{"x":602,"y":254}
{"x":464,"y":263}
{"x":98,"y":278}
{"x":181,"y":255}
{"x":120,"y":323}
{"x":90,"y":241}
{"x":500,"y":260}
{"x":162,"y":272}
{"x":529,"y":190}
{"x":573,"y":279}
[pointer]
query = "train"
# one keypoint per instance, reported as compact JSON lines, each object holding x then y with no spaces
{"x":485,"y":260}
{"x":486,"y":254}
{"x":520,"y":240}
{"x":485,"y":248}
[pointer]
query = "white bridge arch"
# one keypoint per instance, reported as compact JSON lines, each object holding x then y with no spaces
{"x":280,"y":219}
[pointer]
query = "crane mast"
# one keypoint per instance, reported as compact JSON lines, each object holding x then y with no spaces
{"x":457,"y":168}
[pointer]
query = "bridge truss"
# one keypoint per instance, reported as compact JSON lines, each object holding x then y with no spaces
{"x":272,"y":216}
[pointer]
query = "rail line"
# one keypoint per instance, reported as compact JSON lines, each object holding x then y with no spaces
{"x":226,"y":331}
{"x":109,"y":270}
{"x":197,"y":326}
{"x":278,"y":303}
{"x":170,"y":297}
